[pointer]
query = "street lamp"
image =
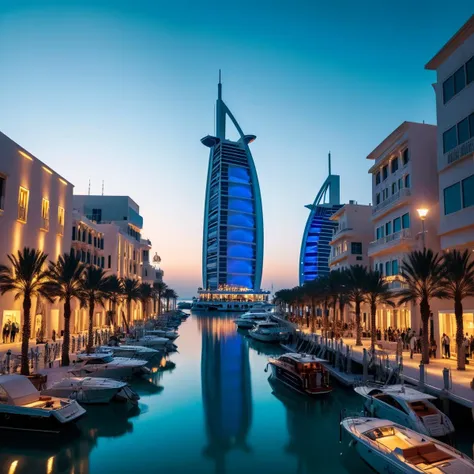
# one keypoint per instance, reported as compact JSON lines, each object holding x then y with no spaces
{"x":423,"y":212}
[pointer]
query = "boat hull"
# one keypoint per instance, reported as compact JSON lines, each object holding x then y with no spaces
{"x":118,"y":373}
{"x":295,"y":383}
{"x":89,"y":396}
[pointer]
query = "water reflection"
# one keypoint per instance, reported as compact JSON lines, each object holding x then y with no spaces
{"x":226,"y":388}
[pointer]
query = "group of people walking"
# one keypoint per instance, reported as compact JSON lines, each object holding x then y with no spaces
{"x":10,"y":330}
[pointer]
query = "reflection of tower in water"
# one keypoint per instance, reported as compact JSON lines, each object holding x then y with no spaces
{"x":226,"y":388}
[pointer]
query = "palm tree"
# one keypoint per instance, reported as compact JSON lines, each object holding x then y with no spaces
{"x":146,"y":293}
{"x":424,"y":279}
{"x":131,"y":292}
{"x":357,"y":277}
{"x":376,"y":292}
{"x":323,"y":288}
{"x":459,"y":284}
{"x":160,"y":288}
{"x":114,"y":295}
{"x":169,"y":294}
{"x":65,"y":283}
{"x":27,"y":279}
{"x":95,"y":285}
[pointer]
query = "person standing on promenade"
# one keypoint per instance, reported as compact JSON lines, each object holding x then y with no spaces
{"x":13,"y":332}
{"x":412,"y":345}
{"x":6,"y":331}
{"x":54,"y":335}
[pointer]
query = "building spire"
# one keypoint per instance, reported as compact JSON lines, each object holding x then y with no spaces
{"x":219,"y":87}
{"x":220,"y":111}
{"x":329,"y":163}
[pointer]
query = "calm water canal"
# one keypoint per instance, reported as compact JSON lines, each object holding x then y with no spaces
{"x":216,"y":412}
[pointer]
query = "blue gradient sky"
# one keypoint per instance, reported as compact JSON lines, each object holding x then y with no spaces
{"x":123,"y":91}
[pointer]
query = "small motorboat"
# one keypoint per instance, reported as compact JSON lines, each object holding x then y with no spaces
{"x":168,"y":333}
{"x":154,"y":342}
{"x":92,"y":390}
{"x":388,"y":447}
{"x":23,"y":408}
{"x":301,"y":372}
{"x":406,"y":406}
{"x":249,"y":320}
{"x":133,"y":352}
{"x":269,"y":331}
{"x":97,"y":365}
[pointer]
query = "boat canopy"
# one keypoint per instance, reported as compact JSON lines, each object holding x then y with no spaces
{"x":17,"y":390}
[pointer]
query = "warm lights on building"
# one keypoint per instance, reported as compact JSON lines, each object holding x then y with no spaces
{"x":25,"y":155}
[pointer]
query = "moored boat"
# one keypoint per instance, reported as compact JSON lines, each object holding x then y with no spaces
{"x":389,"y":447}
{"x":406,"y":406}
{"x":23,"y":408}
{"x":133,"y":352}
{"x":250,"y":319}
{"x":269,"y":331}
{"x":301,"y":372}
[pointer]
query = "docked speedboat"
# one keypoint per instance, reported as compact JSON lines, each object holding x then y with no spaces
{"x":154,"y":342}
{"x":168,"y":333}
{"x":301,"y":372}
{"x":269,"y":331}
{"x":408,"y":407}
{"x":388,"y":447}
{"x":249,"y":320}
{"x":23,"y":408}
{"x":133,"y":352}
{"x":92,"y":390}
{"x":97,"y":365}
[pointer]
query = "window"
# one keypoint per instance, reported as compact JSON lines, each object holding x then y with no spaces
{"x":23,"y":204}
{"x":89,"y":238}
{"x":74,"y":232}
{"x":400,"y":184}
{"x":45,"y":214}
{"x":394,"y":188}
{"x":356,"y":248}
{"x":88,"y":255}
{"x":471,"y":124}
{"x":385,"y":172}
{"x":61,"y":221}
{"x":394,"y":267}
{"x":459,"y":80}
{"x":377,"y":198}
{"x":95,"y":259}
{"x":359,"y":257}
{"x":449,"y":139}
{"x":378,"y":233}
{"x":381,"y":268}
{"x":95,"y":241}
{"x":96,"y":215}
{"x":463,"y":131}
{"x":388,"y":228}
{"x":448,"y":89}
{"x":388,"y":269}
{"x":405,"y":156}
{"x":452,"y":198}
{"x":468,"y":191}
{"x":109,"y":261}
{"x":377,"y":178}
{"x":407,"y":181}
{"x":470,"y":70}
{"x":406,"y":221}
{"x":397,"y":224}
{"x":394,"y":165}
{"x":102,"y":261}
{"x":2,"y":192}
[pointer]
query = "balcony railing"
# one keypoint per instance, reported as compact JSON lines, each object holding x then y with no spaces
{"x":402,"y":193}
{"x":45,"y":223}
{"x":22,"y":213}
{"x":391,"y":239}
{"x":340,"y":230}
{"x":459,"y":152}
{"x":339,"y":256}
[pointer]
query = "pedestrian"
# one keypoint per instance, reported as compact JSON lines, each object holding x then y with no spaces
{"x":466,"y":347}
{"x":447,"y":347}
{"x":412,"y":345}
{"x":434,"y":348}
{"x":418,"y":345}
{"x":6,"y":331}
{"x":53,"y":337}
{"x":13,"y":332}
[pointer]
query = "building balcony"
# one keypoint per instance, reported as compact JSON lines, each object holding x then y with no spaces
{"x":461,"y":151}
{"x":395,"y":200}
{"x":387,"y":243}
{"x":333,"y":259}
{"x":395,"y":282}
{"x":338,"y":233}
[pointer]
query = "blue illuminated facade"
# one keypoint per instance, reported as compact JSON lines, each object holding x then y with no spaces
{"x":319,"y":231}
{"x":233,"y":221}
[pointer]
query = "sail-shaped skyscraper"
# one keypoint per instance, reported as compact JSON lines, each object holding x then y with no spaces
{"x":232,"y":257}
{"x":319,"y":230}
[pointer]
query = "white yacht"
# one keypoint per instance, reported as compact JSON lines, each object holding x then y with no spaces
{"x":406,"y":406}
{"x":170,"y":334}
{"x":154,"y":342}
{"x":250,"y":319}
{"x":23,"y":408}
{"x":269,"y":331}
{"x":388,"y":447}
{"x":133,"y":352}
{"x":105,"y":365}
{"x":92,"y":390}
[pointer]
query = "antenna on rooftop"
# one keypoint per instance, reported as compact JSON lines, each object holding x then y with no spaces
{"x":329,"y":163}
{"x":102,"y":187}
{"x":89,"y":189}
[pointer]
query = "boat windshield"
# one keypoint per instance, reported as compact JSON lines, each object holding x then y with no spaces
{"x":100,"y":360}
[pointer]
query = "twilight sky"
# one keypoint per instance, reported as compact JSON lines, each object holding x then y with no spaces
{"x":123,"y":91}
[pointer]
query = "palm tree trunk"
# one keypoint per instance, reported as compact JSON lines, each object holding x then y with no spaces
{"x":425,"y":319}
{"x":458,"y":311}
{"x":373,"y":324}
{"x":90,"y":336}
{"x":67,"y":323}
{"x":167,"y":304}
{"x":159,"y":304}
{"x":25,"y":368}
{"x":144,"y":309}
{"x":129,"y":311}
{"x":358,"y":326}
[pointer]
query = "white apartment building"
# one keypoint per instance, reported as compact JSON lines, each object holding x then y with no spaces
{"x":454,"y":89}
{"x":352,"y":235}
{"x":35,"y":212}
{"x":404,"y":179}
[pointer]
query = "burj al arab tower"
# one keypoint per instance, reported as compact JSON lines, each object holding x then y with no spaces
{"x":232,"y":256}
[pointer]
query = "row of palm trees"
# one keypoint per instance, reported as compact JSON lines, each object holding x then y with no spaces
{"x":31,"y":276}
{"x":425,"y":275}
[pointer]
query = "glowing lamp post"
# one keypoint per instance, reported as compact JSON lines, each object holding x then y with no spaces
{"x":423,"y":212}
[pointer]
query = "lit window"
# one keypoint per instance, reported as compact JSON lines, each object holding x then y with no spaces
{"x":45,"y":214}
{"x":23,"y":204}
{"x":61,"y":221}
{"x":3,"y":183}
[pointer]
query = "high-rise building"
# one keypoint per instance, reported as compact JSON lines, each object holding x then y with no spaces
{"x":319,"y":230}
{"x":233,"y":221}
